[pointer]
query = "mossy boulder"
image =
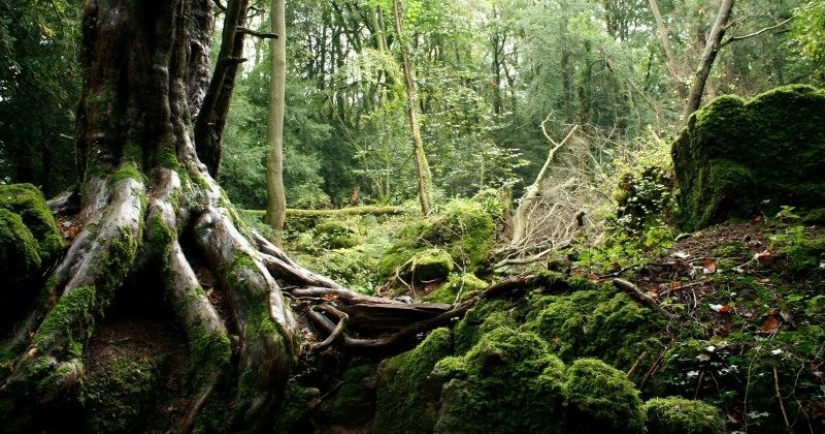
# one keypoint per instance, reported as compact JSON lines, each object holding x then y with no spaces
{"x":29,"y":241}
{"x":675,"y":415}
{"x":739,"y":157}
{"x":459,"y":286}
{"x":463,"y":228}
{"x":428,"y":265}
{"x":507,"y":383}
{"x":407,"y":399}
{"x":600,"y":398}
{"x":336,"y":235}
{"x":27,"y":201}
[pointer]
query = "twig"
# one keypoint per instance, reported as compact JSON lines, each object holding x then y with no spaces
{"x":634,"y":290}
{"x":779,"y":397}
{"x":756,"y":33}
{"x":636,"y":364}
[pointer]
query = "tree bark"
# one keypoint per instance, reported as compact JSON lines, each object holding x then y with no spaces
{"x":422,"y":167}
{"x":149,"y":207}
{"x":672,"y":65}
{"x":276,"y":200}
{"x":712,"y":45}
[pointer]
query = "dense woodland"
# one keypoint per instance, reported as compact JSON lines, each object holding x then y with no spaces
{"x":412,"y":216}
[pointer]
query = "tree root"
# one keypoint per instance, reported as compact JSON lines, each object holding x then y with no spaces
{"x":643,"y":298}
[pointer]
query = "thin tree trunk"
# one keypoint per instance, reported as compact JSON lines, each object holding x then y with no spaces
{"x":423,"y":169}
{"x":672,"y":65}
{"x":276,"y":202}
{"x":712,"y":46}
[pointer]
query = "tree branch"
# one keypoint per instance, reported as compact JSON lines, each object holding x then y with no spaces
{"x":257,"y":34}
{"x":756,"y":33}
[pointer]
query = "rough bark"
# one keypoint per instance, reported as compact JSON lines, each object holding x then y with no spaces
{"x":144,"y":197}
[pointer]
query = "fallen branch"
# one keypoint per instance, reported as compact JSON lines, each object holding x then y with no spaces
{"x":637,"y":293}
{"x":342,"y":294}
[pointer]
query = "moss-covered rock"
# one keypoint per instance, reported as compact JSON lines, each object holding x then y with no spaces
{"x":457,"y":288}
{"x":600,"y":398}
{"x":27,"y":201}
{"x":507,"y":383}
{"x":739,"y":157}
{"x":463,"y":228}
{"x":336,"y":234}
{"x":429,"y":265}
{"x":675,"y":415}
{"x":408,"y":399}
{"x":19,"y":256}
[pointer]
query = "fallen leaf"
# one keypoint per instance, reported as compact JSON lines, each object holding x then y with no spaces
{"x":721,"y":308}
{"x":771,"y":325}
{"x":709,"y":266}
{"x":681,"y":255}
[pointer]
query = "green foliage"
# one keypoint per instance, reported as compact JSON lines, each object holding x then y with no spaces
{"x":39,"y":89}
{"x":737,"y":155}
{"x":675,"y":415}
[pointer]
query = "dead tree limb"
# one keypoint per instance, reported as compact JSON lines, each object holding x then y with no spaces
{"x":639,"y":295}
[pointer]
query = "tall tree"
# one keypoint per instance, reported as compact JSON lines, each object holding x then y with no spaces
{"x":276,"y":200}
{"x":148,"y":207}
{"x":422,"y":167}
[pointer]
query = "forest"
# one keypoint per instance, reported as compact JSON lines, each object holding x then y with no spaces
{"x":412,"y":216}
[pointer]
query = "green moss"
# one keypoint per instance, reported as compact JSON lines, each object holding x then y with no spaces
{"x":428,"y":265}
{"x":19,"y":256}
{"x":71,"y":318}
{"x":118,"y":392}
{"x":407,"y":400}
{"x":506,"y":373}
{"x":675,"y":415}
{"x":458,"y":288}
{"x":297,"y":404}
{"x":737,"y":158}
{"x":484,"y":317}
{"x":128,"y":170}
{"x":336,"y":235}
{"x":463,"y":228}
{"x":353,"y":403}
{"x":601,"y":399}
{"x":27,"y":201}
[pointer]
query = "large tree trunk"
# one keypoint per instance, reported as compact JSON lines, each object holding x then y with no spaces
{"x":148,"y":206}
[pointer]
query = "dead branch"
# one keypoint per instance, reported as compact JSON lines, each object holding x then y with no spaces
{"x":637,"y":293}
{"x":342,"y":294}
{"x":756,"y":33}
{"x":257,"y":34}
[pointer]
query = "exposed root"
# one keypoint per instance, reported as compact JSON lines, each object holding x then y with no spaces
{"x":85,"y":284}
{"x":264,"y":321}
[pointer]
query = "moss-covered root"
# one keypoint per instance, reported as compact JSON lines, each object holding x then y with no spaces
{"x":265,"y":322}
{"x":85,"y":282}
{"x":674,"y":415}
{"x":206,"y":333}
